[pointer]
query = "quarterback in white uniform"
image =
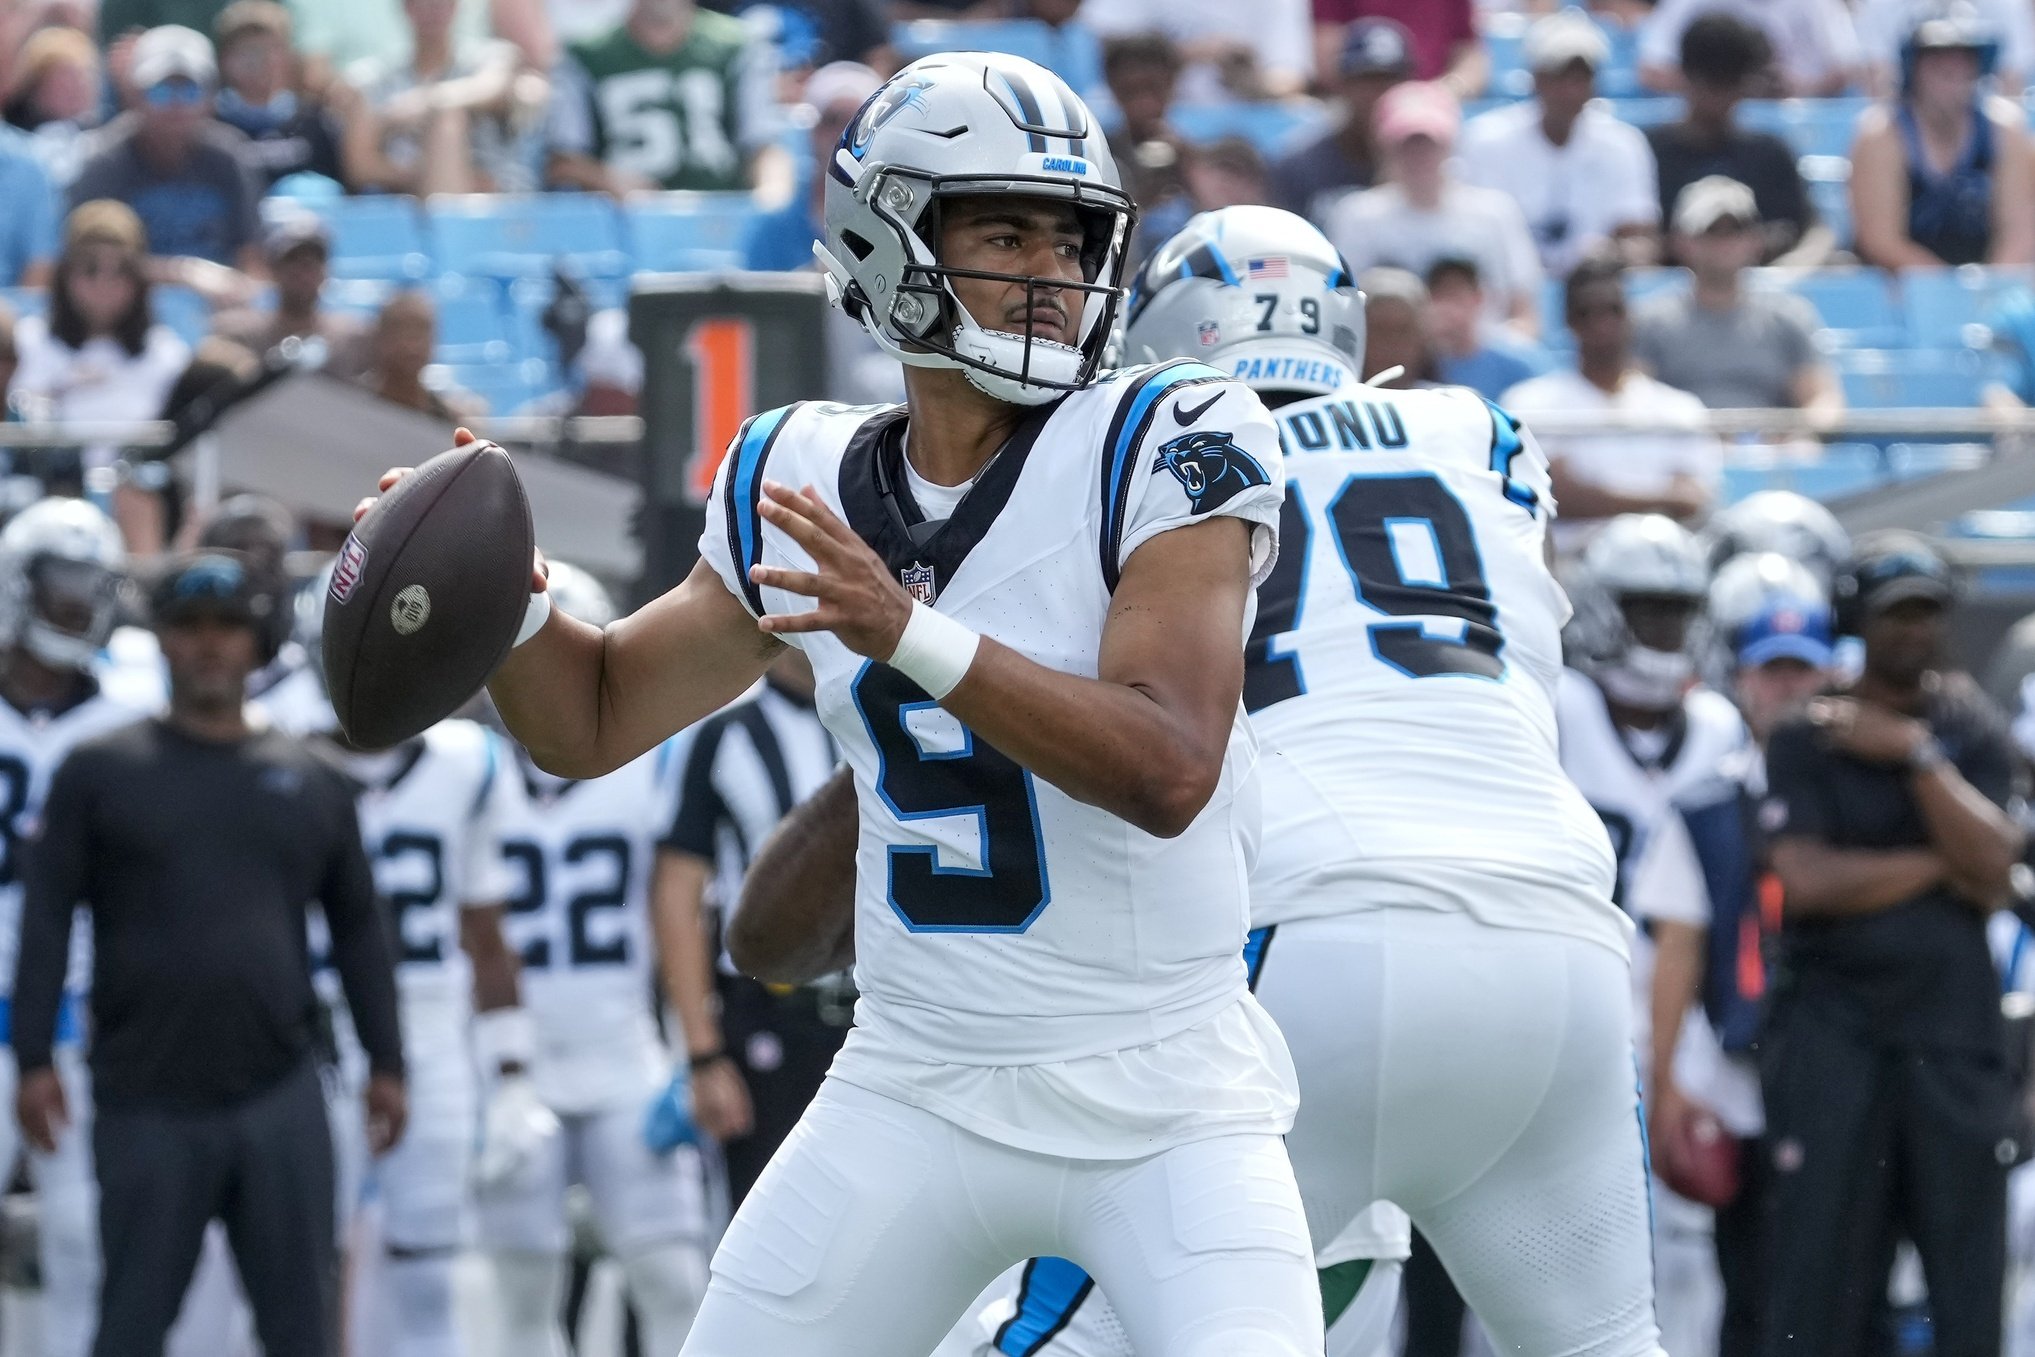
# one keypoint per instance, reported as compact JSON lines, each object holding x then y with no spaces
{"x":433,"y":815}
{"x":60,"y":581}
{"x":1024,"y":596}
{"x":582,"y":853}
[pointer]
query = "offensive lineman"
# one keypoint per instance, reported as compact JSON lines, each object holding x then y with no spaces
{"x":433,"y":813}
{"x":1437,"y":937}
{"x":1055,"y":1051}
{"x":60,"y":581}
{"x":583,"y":852}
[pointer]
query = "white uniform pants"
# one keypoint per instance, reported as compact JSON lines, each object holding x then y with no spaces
{"x":878,"y":1223}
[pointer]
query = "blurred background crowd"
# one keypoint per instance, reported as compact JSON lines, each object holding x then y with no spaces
{"x":1733,"y":261}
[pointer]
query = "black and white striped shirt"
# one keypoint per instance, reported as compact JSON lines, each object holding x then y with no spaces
{"x":749,"y":764}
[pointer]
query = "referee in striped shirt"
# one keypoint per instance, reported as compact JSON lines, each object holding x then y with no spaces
{"x":757,"y":1053}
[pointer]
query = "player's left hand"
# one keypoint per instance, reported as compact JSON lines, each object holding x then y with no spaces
{"x":860,"y":600}
{"x":388,"y":1111}
{"x":1868,"y":731}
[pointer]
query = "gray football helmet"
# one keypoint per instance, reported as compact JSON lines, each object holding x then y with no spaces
{"x":1255,"y":291}
{"x":1782,"y":521}
{"x":962,"y":124}
{"x":1638,"y":557}
{"x":577,"y":594}
{"x":63,"y":555}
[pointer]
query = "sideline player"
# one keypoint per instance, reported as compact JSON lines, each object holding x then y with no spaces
{"x":1437,"y":936}
{"x":61,"y":578}
{"x":1643,"y":739}
{"x":1055,"y":1050}
{"x":583,"y":851}
{"x":433,"y":812}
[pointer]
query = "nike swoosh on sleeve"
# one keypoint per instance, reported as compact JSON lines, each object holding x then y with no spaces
{"x":1187,"y":414}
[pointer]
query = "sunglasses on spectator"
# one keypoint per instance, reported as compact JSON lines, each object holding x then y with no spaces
{"x":176,"y":93}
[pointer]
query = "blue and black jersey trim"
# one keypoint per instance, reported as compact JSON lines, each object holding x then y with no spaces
{"x":1256,"y":945}
{"x":1127,"y":428}
{"x":744,"y":487}
{"x":491,"y":747}
{"x":1051,"y":1291}
{"x":1506,"y":444}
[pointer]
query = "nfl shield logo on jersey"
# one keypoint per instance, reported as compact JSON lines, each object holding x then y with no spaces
{"x":918,"y":582}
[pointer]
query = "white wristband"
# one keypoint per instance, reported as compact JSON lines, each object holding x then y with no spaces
{"x":935,"y":651}
{"x":535,"y":615}
{"x":504,"y":1036}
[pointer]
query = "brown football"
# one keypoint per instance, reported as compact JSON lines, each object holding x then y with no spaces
{"x":427,"y":595}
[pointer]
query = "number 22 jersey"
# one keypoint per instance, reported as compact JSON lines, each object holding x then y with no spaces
{"x":1029,"y":966}
{"x":1402,"y":674}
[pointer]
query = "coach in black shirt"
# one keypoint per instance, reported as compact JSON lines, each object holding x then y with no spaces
{"x":1888,"y":1098}
{"x":197,"y":844}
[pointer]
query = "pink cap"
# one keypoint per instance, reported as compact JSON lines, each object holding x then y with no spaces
{"x":1418,"y":108}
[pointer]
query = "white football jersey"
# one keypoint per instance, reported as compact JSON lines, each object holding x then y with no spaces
{"x":31,"y":747}
{"x":433,"y":813}
{"x":579,"y":915}
{"x":1402,"y":671}
{"x":1000,"y":923}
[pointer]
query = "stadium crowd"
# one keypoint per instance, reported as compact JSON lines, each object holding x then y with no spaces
{"x":1632,"y":211}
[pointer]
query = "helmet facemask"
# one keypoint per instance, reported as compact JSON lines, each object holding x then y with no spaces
{"x":72,"y":608}
{"x":921,"y":320}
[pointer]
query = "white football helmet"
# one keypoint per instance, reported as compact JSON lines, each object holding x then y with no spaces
{"x":1781,"y":521}
{"x":1746,"y":586}
{"x":1255,"y":291}
{"x":65,"y":555}
{"x":577,"y":594}
{"x":1639,"y":557}
{"x":963,"y":124}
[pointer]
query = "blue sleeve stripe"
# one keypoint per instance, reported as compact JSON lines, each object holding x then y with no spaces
{"x":745,"y":480}
{"x":487,"y":777}
{"x":1256,"y":944}
{"x":1124,"y":430}
{"x":1051,"y":1292}
{"x":1506,"y":444}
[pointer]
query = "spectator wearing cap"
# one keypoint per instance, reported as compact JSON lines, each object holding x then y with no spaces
{"x":784,"y":239}
{"x":286,"y":133}
{"x":1888,"y":1099}
{"x":447,"y":116}
{"x":1446,"y":44}
{"x":1377,"y":54}
{"x":198,"y":844}
{"x":299,"y":248}
{"x":1943,"y":174}
{"x":1884,"y":25}
{"x":1814,"y":40}
{"x":56,"y":96}
{"x":1671,"y":466}
{"x":1469,"y":350}
{"x":1581,"y":176}
{"x":1230,"y":52}
{"x":1421,"y":212}
{"x":181,"y":172}
{"x":1721,"y":56}
{"x":1730,"y":346}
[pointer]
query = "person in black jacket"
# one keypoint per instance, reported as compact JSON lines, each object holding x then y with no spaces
{"x":197,"y":843}
{"x":1888,"y":1097}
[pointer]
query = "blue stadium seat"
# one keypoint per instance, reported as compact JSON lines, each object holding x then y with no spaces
{"x":1646,"y":110}
{"x":372,"y":237}
{"x":1505,"y":41}
{"x":1073,"y":52}
{"x":1273,"y":128}
{"x":1860,"y":306}
{"x":1881,"y":379}
{"x":473,"y":326}
{"x":183,"y":311}
{"x":526,"y":235}
{"x":528,"y":298}
{"x":1820,"y":126}
{"x":1828,"y":180}
{"x":506,"y":387}
{"x":1841,"y":469}
{"x":1942,"y":302}
{"x":688,"y":232}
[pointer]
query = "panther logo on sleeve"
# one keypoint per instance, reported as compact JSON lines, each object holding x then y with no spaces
{"x":1211,"y":467}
